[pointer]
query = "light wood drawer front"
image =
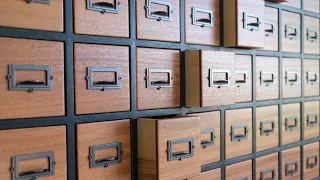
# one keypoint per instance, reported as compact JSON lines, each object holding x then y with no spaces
{"x":33,"y":150}
{"x":243,"y":78}
{"x":46,"y":16}
{"x":238,"y":132}
{"x":311,"y":35}
{"x":97,"y":20}
{"x":107,"y":144}
{"x":291,"y":32}
{"x":202,"y":20}
{"x":311,"y":119}
{"x":101,"y":78}
{"x":291,"y":78}
{"x":208,"y":175}
{"x":32,"y":78}
{"x":293,"y":3}
{"x":267,"y":78}
{"x":291,"y":164}
{"x":271,"y":27}
{"x":311,"y":77}
{"x":311,"y":161}
{"x":290,"y":123}
{"x":239,"y":171}
{"x":267,"y":123}
{"x":312,"y":5}
{"x":267,"y":167}
{"x":162,"y":23}
{"x":162,"y":88}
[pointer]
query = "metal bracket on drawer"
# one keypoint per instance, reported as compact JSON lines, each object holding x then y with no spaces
{"x":104,"y":7}
{"x":296,"y":167}
{"x":292,"y":81}
{"x":311,"y":123}
{"x":291,"y":127}
{"x":311,"y":166}
{"x":219,"y":83}
{"x":107,"y":161}
{"x":311,"y":38}
{"x":309,"y":77}
{"x":263,"y":173}
{"x":159,"y":15}
{"x":243,"y":82}
{"x":269,"y":32}
{"x":39,"y":1}
{"x":159,"y":84}
{"x":180,"y":155}
{"x":32,"y":175}
{"x":234,"y":137}
{"x":267,"y":82}
{"x":103,"y":85}
{"x":251,"y":26}
{"x":264,"y":132}
{"x":202,"y":22}
{"x":245,"y":178}
{"x":29,"y":85}
{"x":291,"y":35}
{"x":205,"y":144}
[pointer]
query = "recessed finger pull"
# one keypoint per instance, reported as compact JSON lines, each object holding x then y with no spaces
{"x":105,"y":161}
{"x":104,"y":6}
{"x":181,"y":154}
{"x":202,"y":21}
{"x":113,"y":83}
{"x":155,"y":10}
{"x":251,"y":22}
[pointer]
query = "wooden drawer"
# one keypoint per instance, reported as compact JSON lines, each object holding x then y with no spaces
{"x":41,"y":14}
{"x":311,"y":35}
{"x":293,"y":3}
{"x":312,"y":5}
{"x":239,"y":171}
{"x":158,"y":78}
{"x":101,"y":78}
{"x":278,"y":1}
{"x":267,"y":122}
{"x":267,"y":78}
{"x":169,"y":148}
{"x":291,"y":164}
{"x":209,"y":77}
{"x":267,"y":167}
{"x":210,"y":137}
{"x":291,"y":78}
{"x":158,"y":20}
{"x":33,"y":150}
{"x":202,"y":21}
{"x":290,"y":123}
{"x":32,"y":78}
{"x":208,"y":175}
{"x":243,"y":23}
{"x":271,"y":27}
{"x":238,"y":132}
{"x":311,"y":161}
{"x":291,"y":32}
{"x":107,"y":144}
{"x":311,"y":77}
{"x":112,"y":19}
{"x":243,"y":78}
{"x":311,"y":119}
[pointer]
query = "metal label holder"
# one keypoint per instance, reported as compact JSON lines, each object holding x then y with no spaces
{"x":291,"y":36}
{"x":311,"y":38}
{"x":264,"y":132}
{"x":180,"y":155}
{"x":270,"y":32}
{"x":292,"y":81}
{"x":212,"y":140}
{"x":234,"y":137}
{"x":311,"y":123}
{"x":219,"y":83}
{"x":107,"y":162}
{"x":309,"y":165}
{"x":291,"y":127}
{"x":243,"y":82}
{"x":110,"y":8}
{"x":165,"y":16}
{"x":264,"y":82}
{"x":103,"y":87}
{"x":312,"y":81}
{"x":204,"y":22}
{"x":251,"y":26}
{"x":292,"y":172}
{"x":160,"y":85}
{"x":263,"y":173}
{"x":39,"y":1}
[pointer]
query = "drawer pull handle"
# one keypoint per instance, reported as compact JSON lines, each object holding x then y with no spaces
{"x":215,"y":76}
{"x":245,"y":178}
{"x":106,"y":162}
{"x":290,"y":81}
{"x":35,"y":173}
{"x":244,"y":81}
{"x":211,"y":142}
{"x":312,"y":35}
{"x":269,"y":32}
{"x":291,"y":172}
{"x":267,"y":82}
{"x":104,"y":7}
{"x":159,"y":15}
{"x":103,"y":85}
{"x":272,"y":171}
{"x":203,"y":22}
{"x":312,"y":77}
{"x":291,"y":35}
{"x":39,"y":1}
{"x":181,"y":154}
{"x":159,"y":84}
{"x":312,"y":119}
{"x":32,"y":82}
{"x":267,"y":132}
{"x":312,"y":165}
{"x":251,"y":26}
{"x":235,"y":137}
{"x":289,"y":125}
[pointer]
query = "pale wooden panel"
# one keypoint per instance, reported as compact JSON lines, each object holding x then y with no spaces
{"x":293,"y":3}
{"x":311,"y":65}
{"x":313,"y":109}
{"x":208,"y":175}
{"x":291,"y":90}
{"x":312,"y":5}
{"x":288,"y":156}
{"x":308,"y":151}
{"x":244,"y":92}
{"x":290,"y":110}
{"x":271,"y":42}
{"x":314,"y":25}
{"x":239,"y":171}
{"x":265,"y":163}
{"x":291,"y":19}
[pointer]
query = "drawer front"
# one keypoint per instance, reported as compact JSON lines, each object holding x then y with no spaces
{"x":291,"y":32}
{"x":243,"y":78}
{"x":178,"y":137}
{"x":239,"y":171}
{"x":311,"y":119}
{"x":202,"y":20}
{"x":267,"y":127}
{"x":311,"y":77}
{"x":107,"y":144}
{"x":41,"y":15}
{"x":290,"y":123}
{"x":238,"y":132}
{"x":291,"y":164}
{"x":312,"y":5}
{"x":311,"y":161}
{"x":32,"y":83}
{"x":162,"y":88}
{"x":291,"y":78}
{"x":267,"y":167}
{"x":293,"y":3}
{"x":271,"y":29}
{"x":160,"y":21}
{"x":208,"y":175}
{"x":101,"y":78}
{"x":102,"y":18}
{"x":219,"y":88}
{"x":19,"y":152}
{"x":267,"y":78}
{"x":311,"y":35}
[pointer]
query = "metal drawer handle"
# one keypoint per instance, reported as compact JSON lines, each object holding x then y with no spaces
{"x":251,"y":26}
{"x":203,"y":22}
{"x":312,"y":165}
{"x":267,"y":82}
{"x":160,"y":83}
{"x":235,"y":137}
{"x":104,"y":7}
{"x":269,"y":32}
{"x":289,"y":126}
{"x":244,"y":81}
{"x":39,"y":1}
{"x":294,"y":171}
{"x":312,"y":119}
{"x":219,"y":82}
{"x":182,"y":154}
{"x":211,"y":142}
{"x":159,"y":15}
{"x":291,"y":81}
{"x":263,"y":173}
{"x":245,"y":178}
{"x":289,"y":35}
{"x":103,"y":85}
{"x":106,"y":162}
{"x":267,"y":132}
{"x":32,"y":82}
{"x":312,"y":35}
{"x":312,"y":77}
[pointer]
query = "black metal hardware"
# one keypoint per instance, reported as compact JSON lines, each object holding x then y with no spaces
{"x":235,"y":137}
{"x":290,"y":127}
{"x":244,"y":81}
{"x":39,"y":1}
{"x":312,"y":119}
{"x":264,"y":172}
{"x":211,"y":142}
{"x":251,"y":26}
{"x":312,"y":165}
{"x":291,"y":172}
{"x":267,"y":82}
{"x":104,"y":7}
{"x":180,"y":155}
{"x":103,"y":85}
{"x":159,"y":84}
{"x":291,"y":81}
{"x":159,"y":15}
{"x":289,"y":35}
{"x":267,"y":132}
{"x":312,"y":35}
{"x":219,"y":83}
{"x":207,"y":22}
{"x":32,"y":175}
{"x":269,"y":32}
{"x":312,"y":78}
{"x":106,"y":162}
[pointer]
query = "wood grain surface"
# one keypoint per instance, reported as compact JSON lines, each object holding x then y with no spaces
{"x":208,"y":175}
{"x":293,"y":3}
{"x":229,"y":23}
{"x":101,"y":56}
{"x":311,"y":65}
{"x":290,"y":90}
{"x":243,"y":92}
{"x":192,"y":78}
{"x":314,"y":25}
{"x":309,"y":151}
{"x":32,"y":141}
{"x":265,"y":163}
{"x":288,"y":156}
{"x":312,"y":5}
{"x":22,"y":104}
{"x":291,"y":19}
{"x":311,"y":108}
{"x":239,"y":171}
{"x":271,"y":42}
{"x":290,"y":110}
